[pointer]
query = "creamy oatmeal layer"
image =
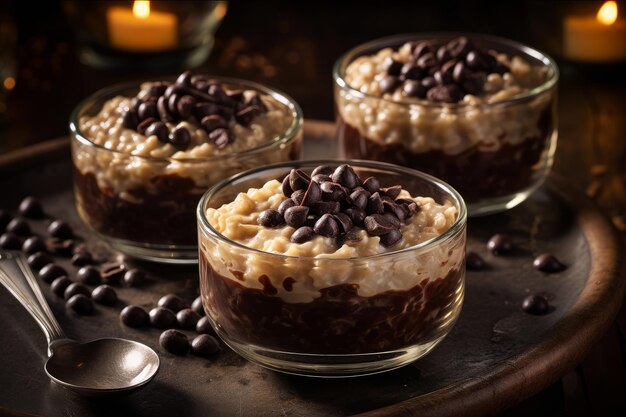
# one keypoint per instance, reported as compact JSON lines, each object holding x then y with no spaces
{"x":319,"y":263}
{"x":120,"y":171}
{"x":476,"y":120}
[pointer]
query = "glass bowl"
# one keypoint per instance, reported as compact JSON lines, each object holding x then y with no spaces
{"x":332,"y":316}
{"x":494,"y":153}
{"x":145,"y":206}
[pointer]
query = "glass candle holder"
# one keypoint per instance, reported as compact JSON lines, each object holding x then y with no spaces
{"x":145,"y":205}
{"x":494,"y":153}
{"x":145,"y":34}
{"x":329,"y":315}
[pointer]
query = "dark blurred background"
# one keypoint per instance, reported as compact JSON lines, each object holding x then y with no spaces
{"x":289,"y":45}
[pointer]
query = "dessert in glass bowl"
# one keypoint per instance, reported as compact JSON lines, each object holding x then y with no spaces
{"x":144,"y":154}
{"x":324,"y":268}
{"x":477,"y":111}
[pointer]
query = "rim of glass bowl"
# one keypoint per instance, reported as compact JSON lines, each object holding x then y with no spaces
{"x":397,"y":40}
{"x":114,"y":90}
{"x":457,"y":226}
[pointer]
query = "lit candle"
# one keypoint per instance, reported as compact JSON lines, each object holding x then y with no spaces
{"x":596,"y":39}
{"x":140,"y":29}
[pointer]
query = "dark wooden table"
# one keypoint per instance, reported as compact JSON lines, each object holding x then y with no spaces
{"x":300,"y":43}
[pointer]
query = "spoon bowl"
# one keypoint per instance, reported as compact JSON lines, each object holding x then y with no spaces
{"x":102,"y":366}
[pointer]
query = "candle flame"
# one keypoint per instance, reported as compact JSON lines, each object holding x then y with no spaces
{"x":607,"y":15}
{"x":141,"y":9}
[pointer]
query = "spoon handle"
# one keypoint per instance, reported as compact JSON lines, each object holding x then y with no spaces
{"x":17,"y":277}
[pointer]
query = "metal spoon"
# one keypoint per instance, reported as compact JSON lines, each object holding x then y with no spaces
{"x":102,"y":366}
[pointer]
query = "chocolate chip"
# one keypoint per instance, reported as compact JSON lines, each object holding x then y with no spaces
{"x":51,"y":271}
{"x":38,"y":260}
{"x":321,"y":178}
{"x":393,"y":192}
{"x":414,"y":88}
{"x":536,"y":304}
{"x":474,"y":262}
{"x":172,"y":302}
{"x":31,"y":207}
{"x":388,"y":84}
{"x":391,"y":238}
{"x":236,"y":95}
{"x":130,"y":119}
{"x":458,"y":47}
{"x":443,"y":54}
{"x":285,"y":205}
{"x":356,"y":215}
{"x":219,"y":137}
{"x":112,"y":272}
{"x":89,"y":275}
{"x":332,"y":191}
{"x":185,"y":106}
{"x":184,"y":79}
{"x":204,"y":326}
{"x":393,"y":219}
{"x":323,"y":169}
{"x":298,"y":196}
{"x":548,"y":263}
{"x":392,"y":66}
{"x":476,"y":61}
{"x":134,"y":316}
{"x":60,"y":229}
{"x":325,"y":207}
{"x":344,"y":222}
{"x":326,"y":226}
{"x":146,"y":110}
{"x":159,"y":130}
{"x":156,"y":89}
{"x":134,"y":277}
{"x":500,"y":244}
{"x":245,"y":115}
{"x":378,"y":225}
{"x":10,"y":241}
{"x":442,"y":78}
{"x":270,"y":218}
{"x":474,"y":82}
{"x":429,"y":82}
{"x":173,"y":89}
{"x":444,"y":94}
{"x":180,"y":138}
{"x":33,"y":244}
{"x":427,"y":60}
{"x":74,"y":289}
{"x":187,"y":318}
{"x":459,"y":72}
{"x":60,"y":247}
{"x":285,"y":187}
{"x":204,"y":345}
{"x":302,"y":235}
{"x":164,"y":114}
{"x":212,"y":122}
{"x":81,"y":304}
{"x":174,"y":342}
{"x":312,"y":195}
{"x":421,"y":48}
{"x":104,"y":294}
{"x":141,"y":128}
{"x":296,"y":216}
{"x":19,"y":227}
{"x":162,"y":318}
{"x":375,"y":204}
{"x":345,"y":175}
{"x":360,"y":198}
{"x":198,"y":307}
{"x":399,"y":212}
{"x":59,"y":285}
{"x":298,"y":180}
{"x":82,"y":259}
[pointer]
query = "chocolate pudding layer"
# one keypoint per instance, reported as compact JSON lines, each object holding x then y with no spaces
{"x":339,"y":321}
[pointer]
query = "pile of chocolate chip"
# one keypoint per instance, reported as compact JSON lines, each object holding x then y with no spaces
{"x":332,"y":201}
{"x":199,"y":100}
{"x":442,"y":73}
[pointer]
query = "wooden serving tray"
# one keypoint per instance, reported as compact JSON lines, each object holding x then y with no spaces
{"x":495,"y":356}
